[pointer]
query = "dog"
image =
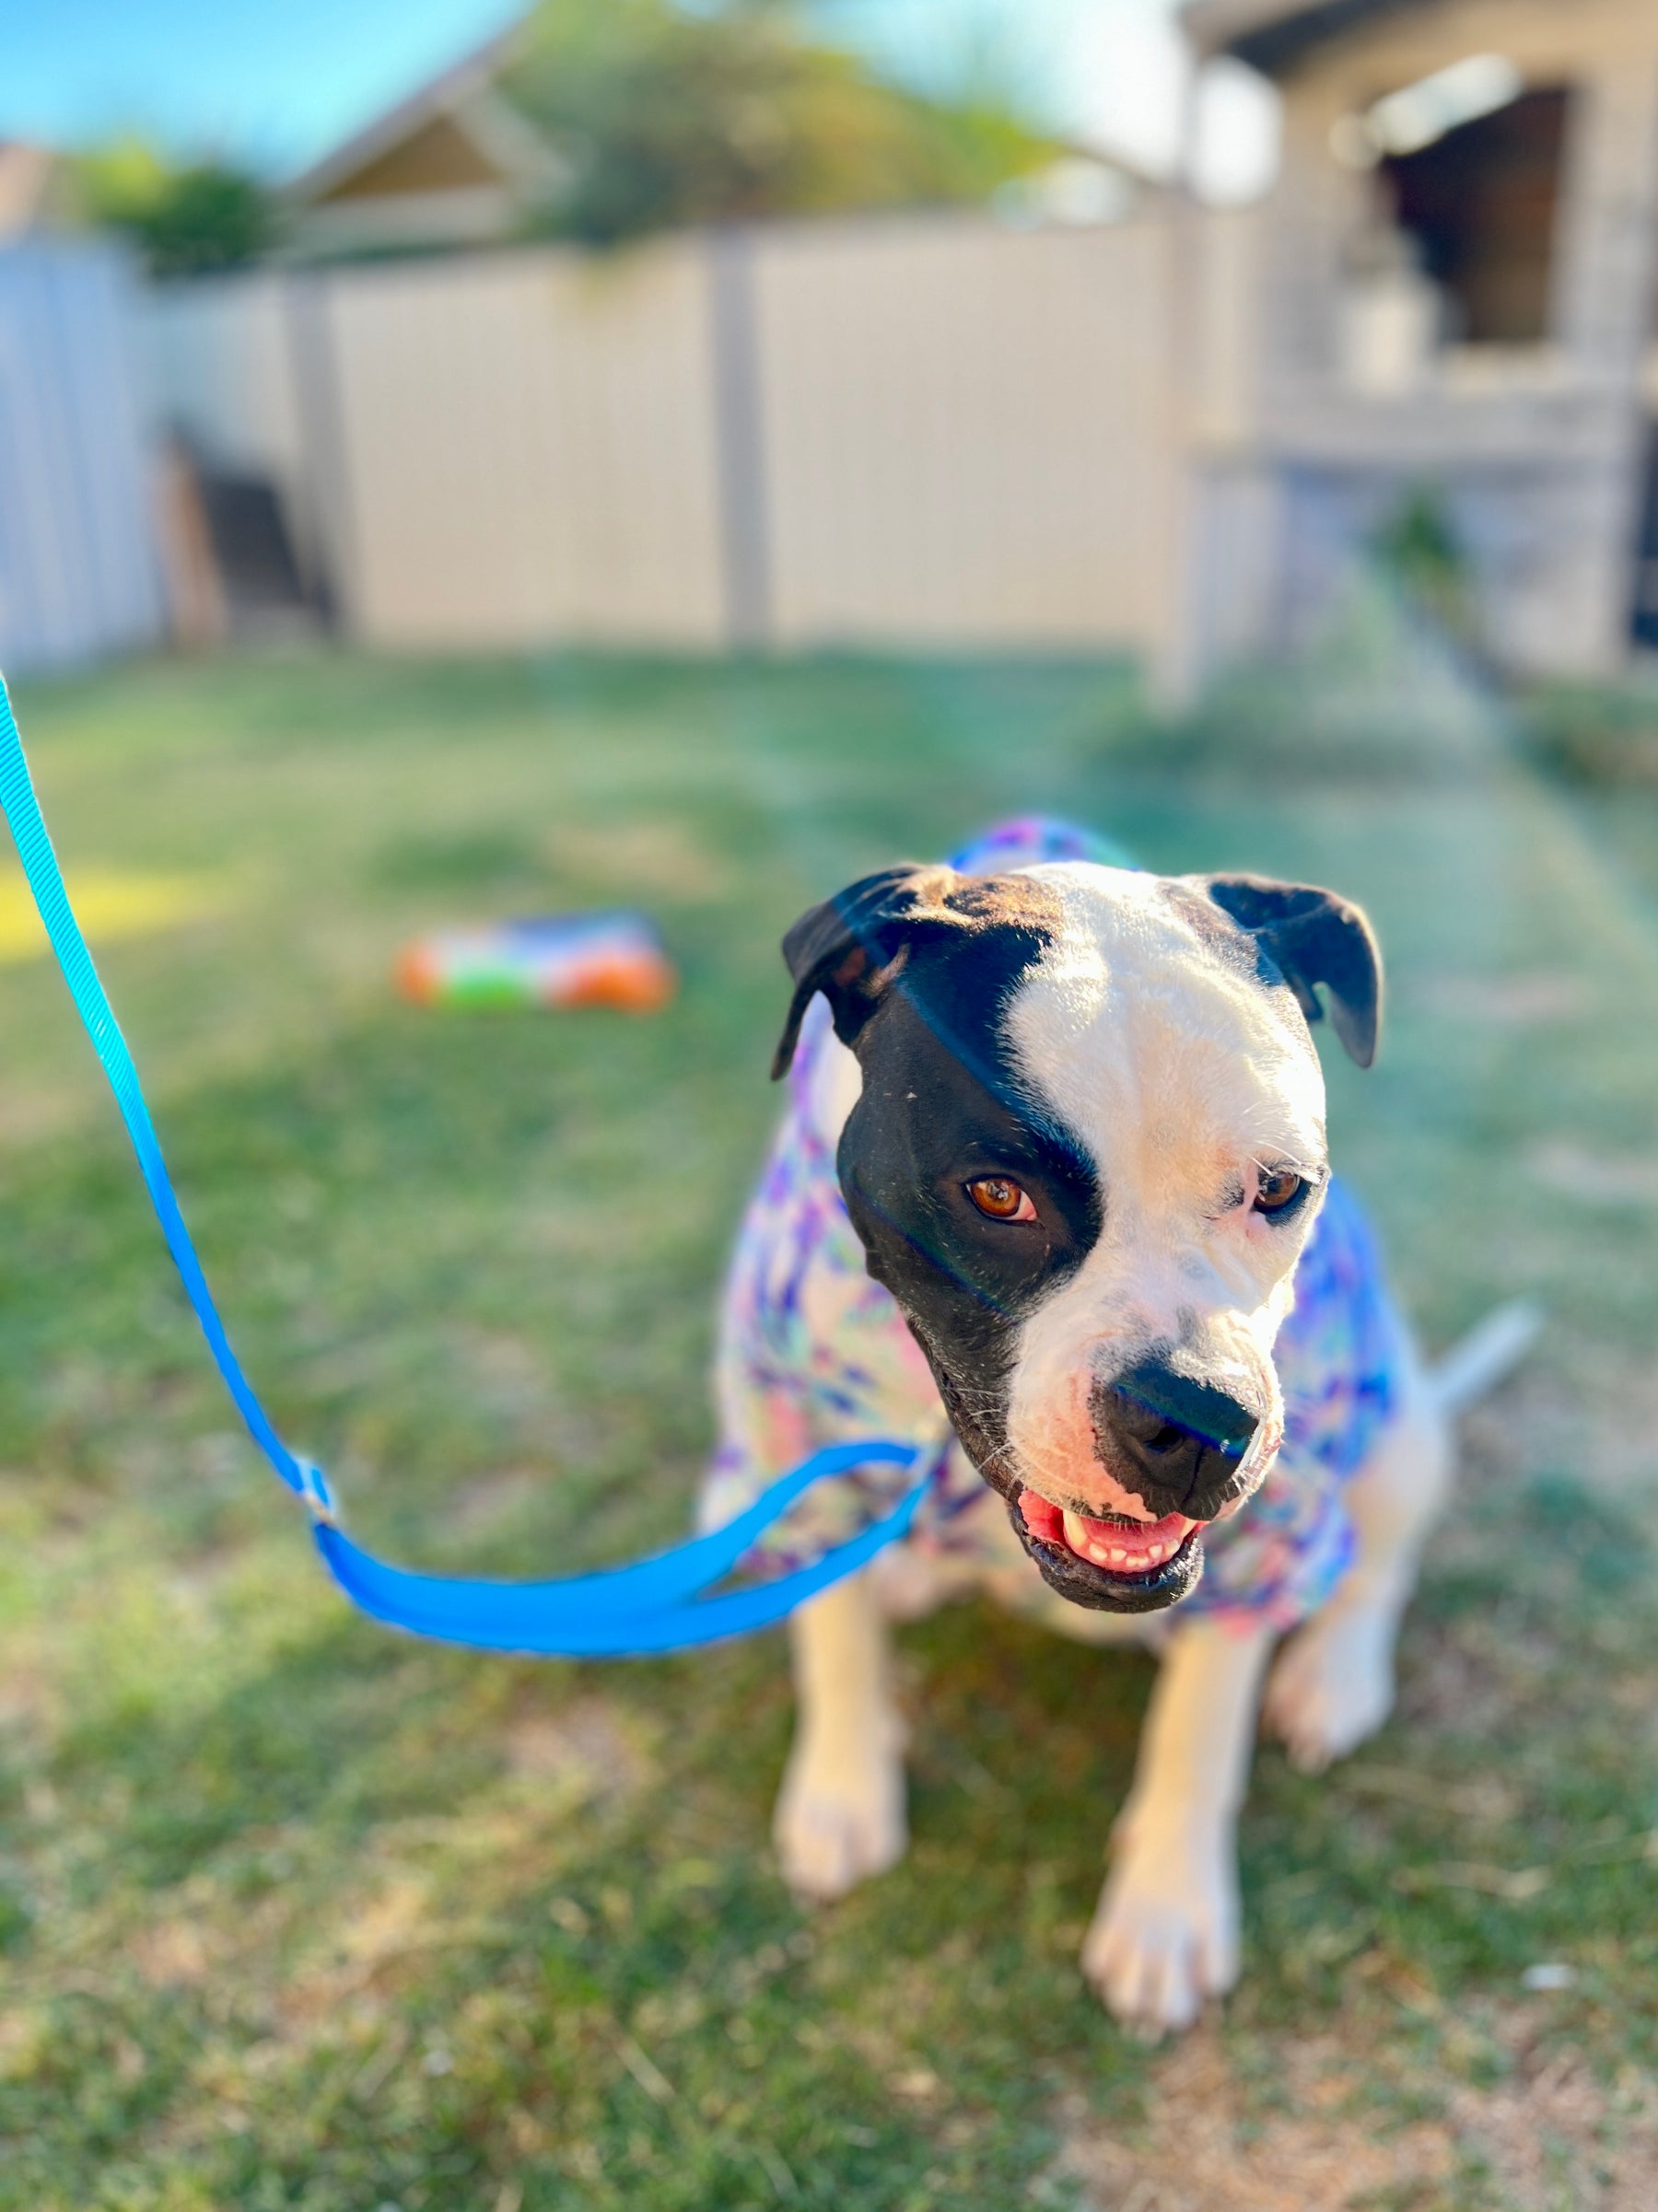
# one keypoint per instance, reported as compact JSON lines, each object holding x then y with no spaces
{"x":1053,"y":1193}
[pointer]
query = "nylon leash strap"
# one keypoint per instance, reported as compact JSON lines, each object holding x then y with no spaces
{"x":655,"y":1604}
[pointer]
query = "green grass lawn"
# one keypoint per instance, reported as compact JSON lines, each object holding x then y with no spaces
{"x":296,"y":1912}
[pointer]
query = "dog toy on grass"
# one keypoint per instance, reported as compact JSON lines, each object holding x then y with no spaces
{"x":575,"y":959}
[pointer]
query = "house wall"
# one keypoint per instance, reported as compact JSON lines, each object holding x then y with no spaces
{"x":908,"y":431}
{"x":1537,"y":450}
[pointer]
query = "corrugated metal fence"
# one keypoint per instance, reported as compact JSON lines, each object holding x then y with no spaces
{"x":936,"y":431}
{"x":78,"y":570}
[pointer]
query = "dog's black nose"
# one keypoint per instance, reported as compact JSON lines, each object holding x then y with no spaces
{"x":1174,"y":1442}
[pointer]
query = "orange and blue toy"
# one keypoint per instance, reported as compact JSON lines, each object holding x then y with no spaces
{"x":613,"y":959}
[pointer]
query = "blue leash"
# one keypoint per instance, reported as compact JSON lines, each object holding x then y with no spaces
{"x":654,"y":1605}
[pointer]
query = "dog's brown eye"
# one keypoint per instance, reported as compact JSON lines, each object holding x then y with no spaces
{"x":1002,"y":1199}
{"x":1282,"y":1187}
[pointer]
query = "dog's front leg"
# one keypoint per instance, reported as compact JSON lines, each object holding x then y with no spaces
{"x":1334,"y":1683}
{"x":1165,"y":1934}
{"x":840,"y":1815}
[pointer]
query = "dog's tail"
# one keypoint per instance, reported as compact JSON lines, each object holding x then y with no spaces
{"x":1478,"y":1362}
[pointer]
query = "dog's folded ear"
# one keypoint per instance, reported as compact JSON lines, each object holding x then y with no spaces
{"x":853,"y":948}
{"x":1312,"y":937}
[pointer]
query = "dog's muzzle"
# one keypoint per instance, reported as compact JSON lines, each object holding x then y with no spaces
{"x":1178,"y":1444}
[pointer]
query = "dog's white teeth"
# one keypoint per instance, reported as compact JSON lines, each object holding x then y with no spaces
{"x":1088,"y":1540}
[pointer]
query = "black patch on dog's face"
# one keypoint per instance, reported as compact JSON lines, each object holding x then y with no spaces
{"x":943,"y":1105}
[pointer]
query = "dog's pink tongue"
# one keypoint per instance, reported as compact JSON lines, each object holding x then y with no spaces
{"x":1128,"y":1547}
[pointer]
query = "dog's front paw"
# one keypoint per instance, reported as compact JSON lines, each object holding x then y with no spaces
{"x":1333,"y":1684}
{"x":840,"y":1817}
{"x":1165,"y":1934}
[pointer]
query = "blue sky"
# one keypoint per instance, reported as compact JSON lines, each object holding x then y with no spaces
{"x":275,"y":82}
{"x":272,"y":82}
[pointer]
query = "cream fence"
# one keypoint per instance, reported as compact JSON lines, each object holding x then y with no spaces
{"x":936,"y":431}
{"x":80,"y":574}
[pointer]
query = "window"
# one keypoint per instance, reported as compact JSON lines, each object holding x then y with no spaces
{"x":1480,"y":202}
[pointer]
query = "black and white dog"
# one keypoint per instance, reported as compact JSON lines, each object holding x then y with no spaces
{"x":1054,"y":1168}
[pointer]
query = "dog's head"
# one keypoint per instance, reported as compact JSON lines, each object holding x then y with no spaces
{"x":1086,"y":1154}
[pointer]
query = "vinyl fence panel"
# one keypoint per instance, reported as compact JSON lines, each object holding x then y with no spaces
{"x":527,"y":448}
{"x":965,"y":432}
{"x":932,"y":431}
{"x":219,"y":358}
{"x":78,"y":571}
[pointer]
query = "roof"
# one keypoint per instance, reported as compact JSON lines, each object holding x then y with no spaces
{"x":1274,"y":36}
{"x":436,"y":100}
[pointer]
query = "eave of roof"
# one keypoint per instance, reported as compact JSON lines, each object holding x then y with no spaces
{"x":1274,"y":36}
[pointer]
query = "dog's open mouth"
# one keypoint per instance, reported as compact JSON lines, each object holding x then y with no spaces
{"x":1114,"y":1564}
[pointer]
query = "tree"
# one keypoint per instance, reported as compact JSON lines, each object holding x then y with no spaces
{"x":660,"y":117}
{"x":186,"y":221}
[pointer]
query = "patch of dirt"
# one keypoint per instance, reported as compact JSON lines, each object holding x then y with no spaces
{"x":379,"y":1930}
{"x":1547,"y":2137}
{"x":477,"y":1506}
{"x":172,"y":1954}
{"x":1483,"y":1800}
{"x":1461,"y":1679}
{"x":30,"y":1701}
{"x":583,"y":1750}
{"x":1203,"y":2148}
{"x":1552,"y":2135}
